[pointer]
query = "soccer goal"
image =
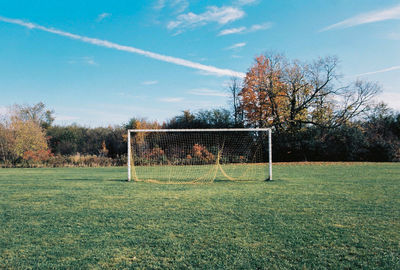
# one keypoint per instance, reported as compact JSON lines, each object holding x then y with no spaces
{"x":199,"y":155}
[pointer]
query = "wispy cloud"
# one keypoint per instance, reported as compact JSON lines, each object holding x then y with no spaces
{"x":102,"y":16}
{"x":207,"y":92}
{"x":91,"y":62}
{"x":111,"y":45}
{"x":369,"y":17}
{"x":177,"y":6}
{"x":258,"y":27}
{"x":220,"y":15}
{"x":246,"y":2}
{"x":160,"y":4}
{"x":3,"y":110}
{"x":243,"y":29}
{"x":87,"y":60}
{"x":171,"y":99}
{"x":149,"y":82}
{"x":378,"y":71}
{"x":393,"y":36}
{"x":231,"y":31}
{"x":391,"y":98}
{"x":106,"y":114}
{"x":236,"y":46}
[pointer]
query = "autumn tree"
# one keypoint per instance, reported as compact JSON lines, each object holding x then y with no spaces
{"x":20,"y":139}
{"x":28,"y":136}
{"x":289,"y":95}
{"x":141,"y":123}
{"x":22,"y":136}
{"x":6,"y":144}
{"x":37,"y":113}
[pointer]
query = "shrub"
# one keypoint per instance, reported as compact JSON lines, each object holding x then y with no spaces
{"x":201,"y":152}
{"x":37,"y":158}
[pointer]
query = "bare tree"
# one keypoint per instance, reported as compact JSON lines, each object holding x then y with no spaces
{"x":36,"y":113}
{"x":356,"y":99}
{"x":294,"y":94}
{"x":235,"y":86}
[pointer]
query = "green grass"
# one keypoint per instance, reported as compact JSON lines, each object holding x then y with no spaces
{"x":313,"y":217}
{"x":201,"y":173}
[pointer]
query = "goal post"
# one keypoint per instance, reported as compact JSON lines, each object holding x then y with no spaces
{"x":199,"y":155}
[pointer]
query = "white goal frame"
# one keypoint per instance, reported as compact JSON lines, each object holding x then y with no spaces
{"x":269,"y":130}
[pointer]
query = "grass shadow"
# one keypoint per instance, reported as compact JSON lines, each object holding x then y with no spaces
{"x":119,"y":180}
{"x":77,"y":179}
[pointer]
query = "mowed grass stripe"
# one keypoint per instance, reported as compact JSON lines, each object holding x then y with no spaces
{"x":311,"y":216}
{"x":201,"y":173}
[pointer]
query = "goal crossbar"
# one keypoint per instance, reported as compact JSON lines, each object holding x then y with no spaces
{"x":269,"y":130}
{"x":200,"y":130}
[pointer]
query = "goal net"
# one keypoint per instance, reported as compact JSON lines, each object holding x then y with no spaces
{"x":199,"y":155}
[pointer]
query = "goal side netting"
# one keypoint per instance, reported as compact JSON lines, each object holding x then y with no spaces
{"x":199,"y":155}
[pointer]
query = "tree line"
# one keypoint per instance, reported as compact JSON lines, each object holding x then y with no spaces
{"x":314,"y":114}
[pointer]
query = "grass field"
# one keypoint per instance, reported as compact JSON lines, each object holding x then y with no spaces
{"x":201,"y":173}
{"x":312,"y":216}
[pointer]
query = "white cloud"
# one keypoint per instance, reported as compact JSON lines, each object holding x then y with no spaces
{"x":149,"y":82}
{"x":94,"y":115}
{"x":236,"y":46}
{"x":369,"y":17}
{"x":159,"y":5}
{"x":220,"y":15}
{"x":102,"y":16}
{"x":258,"y":27}
{"x":177,"y":6}
{"x":87,"y":60}
{"x":390,"y":98}
{"x":207,"y":92}
{"x":243,"y":29}
{"x":171,"y":99}
{"x":111,"y":45}
{"x":393,"y":36}
{"x":206,"y":73}
{"x":91,"y":62}
{"x":231,"y":31}
{"x":246,"y":2}
{"x":3,"y":110}
{"x":378,"y":71}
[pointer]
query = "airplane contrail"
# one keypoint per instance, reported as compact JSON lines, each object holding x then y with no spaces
{"x":369,"y":17}
{"x":378,"y":71}
{"x":112,"y":45}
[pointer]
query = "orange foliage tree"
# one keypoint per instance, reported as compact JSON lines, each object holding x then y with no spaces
{"x":263,"y":92}
{"x":22,"y":139}
{"x":140,"y":123}
{"x":289,"y":95}
{"x":28,"y":137}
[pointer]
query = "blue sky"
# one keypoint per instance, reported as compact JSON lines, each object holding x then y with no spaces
{"x":98,"y":63}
